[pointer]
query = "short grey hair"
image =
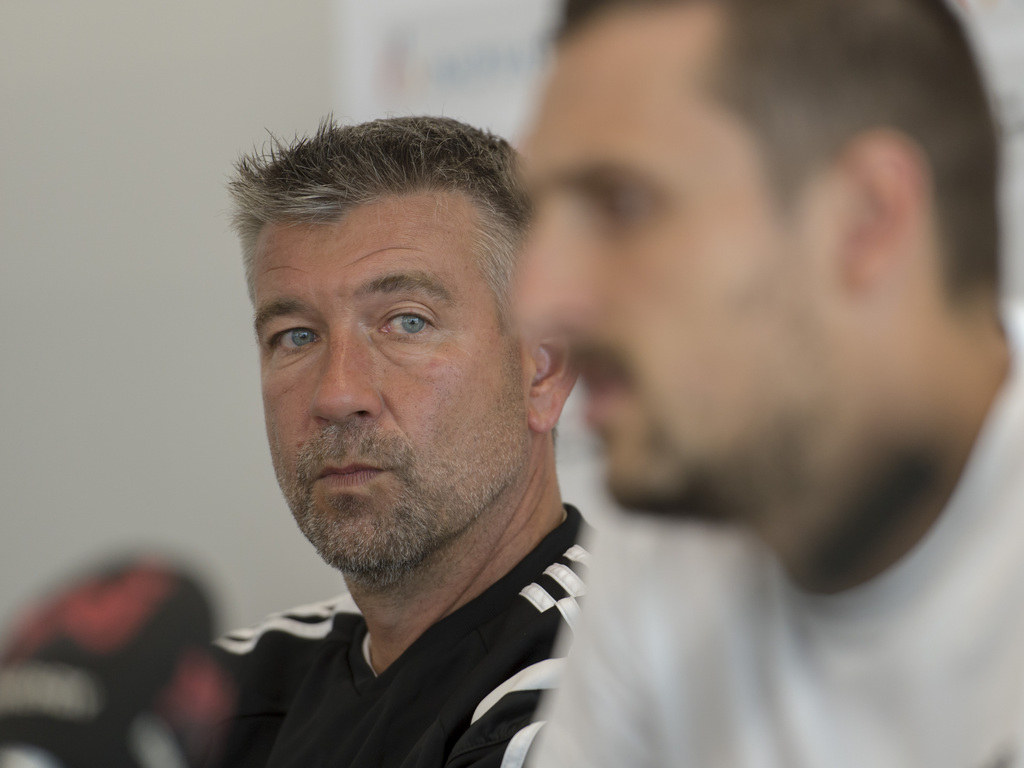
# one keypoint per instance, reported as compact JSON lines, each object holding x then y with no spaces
{"x":319,"y":178}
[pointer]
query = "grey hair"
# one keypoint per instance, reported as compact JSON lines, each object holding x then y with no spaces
{"x":319,"y":178}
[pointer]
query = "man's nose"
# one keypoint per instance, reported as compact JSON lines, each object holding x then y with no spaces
{"x":347,"y":387}
{"x":558,"y":284}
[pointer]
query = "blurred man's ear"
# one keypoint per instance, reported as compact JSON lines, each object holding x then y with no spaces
{"x":551,"y":379}
{"x":886,"y":221}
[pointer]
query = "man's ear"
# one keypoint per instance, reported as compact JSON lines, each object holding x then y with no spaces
{"x":888,"y":190}
{"x":885,"y":204}
{"x":551,"y":377}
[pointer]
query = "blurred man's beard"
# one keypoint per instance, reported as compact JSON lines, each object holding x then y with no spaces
{"x":666,"y":479}
{"x":653,"y":480}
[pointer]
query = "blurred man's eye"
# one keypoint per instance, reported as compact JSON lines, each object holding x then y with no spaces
{"x":622,"y":205}
{"x":627,"y":204}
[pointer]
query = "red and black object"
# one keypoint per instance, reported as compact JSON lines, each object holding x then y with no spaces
{"x":115,"y":671}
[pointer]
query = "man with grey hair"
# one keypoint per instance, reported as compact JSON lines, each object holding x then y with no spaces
{"x":410,"y":427}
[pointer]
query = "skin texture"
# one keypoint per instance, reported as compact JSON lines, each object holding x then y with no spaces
{"x":796,"y":367}
{"x":410,"y":431}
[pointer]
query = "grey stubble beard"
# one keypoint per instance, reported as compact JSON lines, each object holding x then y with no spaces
{"x":378,"y":544}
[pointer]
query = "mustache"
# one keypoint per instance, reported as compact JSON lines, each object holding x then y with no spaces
{"x":338,"y":444}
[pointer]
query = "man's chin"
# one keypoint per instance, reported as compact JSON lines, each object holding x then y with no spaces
{"x":669,"y":495}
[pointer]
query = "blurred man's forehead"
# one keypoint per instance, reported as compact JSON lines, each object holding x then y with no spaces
{"x":623,"y":74}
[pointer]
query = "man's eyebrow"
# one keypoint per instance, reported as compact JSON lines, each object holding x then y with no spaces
{"x":589,"y":179}
{"x":273,"y":309}
{"x":399,"y":282}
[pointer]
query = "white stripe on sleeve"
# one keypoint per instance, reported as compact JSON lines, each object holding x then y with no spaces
{"x":539,"y":596}
{"x":567,"y":579}
{"x":241,"y":641}
{"x":515,"y":753}
{"x":536,"y":677}
{"x":577,"y":554}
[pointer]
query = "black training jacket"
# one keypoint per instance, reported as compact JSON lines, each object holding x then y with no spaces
{"x":463,"y":694}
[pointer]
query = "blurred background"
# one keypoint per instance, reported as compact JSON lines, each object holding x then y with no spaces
{"x":130,"y":412}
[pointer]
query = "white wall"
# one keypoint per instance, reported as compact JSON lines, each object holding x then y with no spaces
{"x":129,"y":393}
{"x":998,"y":27}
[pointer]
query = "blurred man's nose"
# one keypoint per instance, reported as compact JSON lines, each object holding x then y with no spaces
{"x":558,"y":285}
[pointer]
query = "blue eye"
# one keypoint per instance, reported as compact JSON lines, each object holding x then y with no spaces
{"x":299,"y":337}
{"x":412,"y":323}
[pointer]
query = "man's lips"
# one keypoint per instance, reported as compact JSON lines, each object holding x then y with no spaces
{"x":606,"y":375}
{"x":605,"y":395}
{"x":349,"y":474}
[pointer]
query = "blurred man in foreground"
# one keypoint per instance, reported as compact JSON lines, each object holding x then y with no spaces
{"x":772,"y":226}
{"x":411,"y":432}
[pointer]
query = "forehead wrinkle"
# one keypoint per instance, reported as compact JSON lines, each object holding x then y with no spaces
{"x":397,"y":282}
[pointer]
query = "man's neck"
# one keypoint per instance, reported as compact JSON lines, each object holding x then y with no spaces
{"x":887,"y":498}
{"x":453,"y":576}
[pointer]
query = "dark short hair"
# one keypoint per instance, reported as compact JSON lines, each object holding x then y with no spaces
{"x":809,"y":75}
{"x":322,"y":177}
